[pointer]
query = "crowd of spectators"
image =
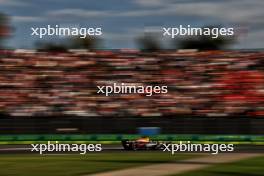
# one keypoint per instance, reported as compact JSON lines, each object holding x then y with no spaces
{"x":212,"y":83}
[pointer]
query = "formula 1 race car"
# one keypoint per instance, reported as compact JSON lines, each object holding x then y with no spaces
{"x":142,"y":144}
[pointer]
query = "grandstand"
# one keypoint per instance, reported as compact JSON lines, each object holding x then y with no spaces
{"x":216,"y":83}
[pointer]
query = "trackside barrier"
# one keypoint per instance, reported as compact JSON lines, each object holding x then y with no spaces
{"x":116,"y":138}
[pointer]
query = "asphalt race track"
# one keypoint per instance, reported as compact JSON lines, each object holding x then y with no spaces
{"x":20,"y":149}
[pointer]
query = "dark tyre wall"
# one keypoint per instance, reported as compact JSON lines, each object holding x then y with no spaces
{"x":129,"y":125}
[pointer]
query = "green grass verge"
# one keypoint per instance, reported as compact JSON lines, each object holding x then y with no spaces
{"x":77,"y":165}
{"x":248,"y":167}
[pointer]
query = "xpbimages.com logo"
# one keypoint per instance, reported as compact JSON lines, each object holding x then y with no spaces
{"x":57,"y":30}
{"x":190,"y":147}
{"x":57,"y":147}
{"x":130,"y":88}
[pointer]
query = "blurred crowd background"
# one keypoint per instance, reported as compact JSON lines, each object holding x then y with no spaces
{"x":55,"y":81}
{"x":205,"y":83}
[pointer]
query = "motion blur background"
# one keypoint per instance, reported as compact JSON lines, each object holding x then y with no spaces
{"x":48,"y":87}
